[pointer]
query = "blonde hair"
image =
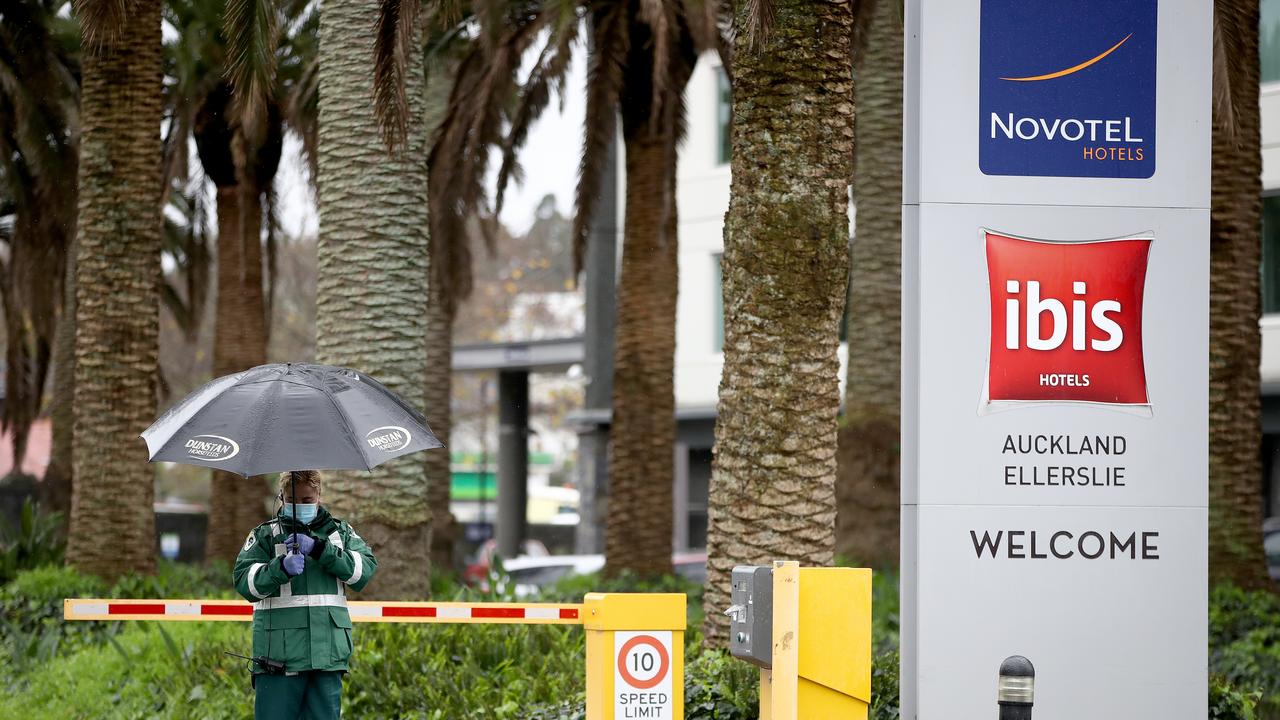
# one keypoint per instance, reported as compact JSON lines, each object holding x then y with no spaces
{"x":302,"y":477}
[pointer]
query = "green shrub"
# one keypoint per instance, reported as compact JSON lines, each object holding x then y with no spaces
{"x":571,"y":589}
{"x":462,"y":671}
{"x":1227,"y":702}
{"x":149,"y":670}
{"x":884,"y":686}
{"x":884,"y":611}
{"x":35,"y":542}
{"x":31,"y":627}
{"x":1244,"y":643}
{"x":178,"y":580}
{"x":719,"y":687}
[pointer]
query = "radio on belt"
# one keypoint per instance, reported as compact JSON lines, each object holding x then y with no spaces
{"x":751,"y":615}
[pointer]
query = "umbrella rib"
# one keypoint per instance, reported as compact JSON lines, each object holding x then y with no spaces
{"x":350,"y":430}
{"x":233,"y":381}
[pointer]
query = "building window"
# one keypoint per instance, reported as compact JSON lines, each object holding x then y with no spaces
{"x":1269,"y":40}
{"x":717,"y":305}
{"x":723,"y":116}
{"x":1271,"y":254}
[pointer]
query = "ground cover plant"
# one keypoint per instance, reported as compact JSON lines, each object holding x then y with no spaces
{"x":51,"y":668}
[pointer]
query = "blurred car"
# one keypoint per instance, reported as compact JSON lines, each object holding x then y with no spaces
{"x":477,"y":572}
{"x":1271,"y":546}
{"x":531,"y":574}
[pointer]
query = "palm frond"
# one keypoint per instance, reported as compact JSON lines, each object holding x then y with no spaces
{"x":759,"y":21}
{"x":656,"y":14}
{"x":610,"y":44}
{"x":393,"y":46}
{"x":101,"y":20}
{"x":1223,"y":96}
{"x":546,"y":77}
{"x":252,"y":35}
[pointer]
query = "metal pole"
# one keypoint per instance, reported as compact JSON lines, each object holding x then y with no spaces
{"x":513,"y":459}
{"x":599,"y":283}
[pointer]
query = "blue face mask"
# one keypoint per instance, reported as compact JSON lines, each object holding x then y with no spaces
{"x":306,"y":512}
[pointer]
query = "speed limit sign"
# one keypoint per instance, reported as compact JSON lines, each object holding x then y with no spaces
{"x":642,"y":675}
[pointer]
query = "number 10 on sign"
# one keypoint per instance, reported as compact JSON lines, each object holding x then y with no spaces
{"x":642,"y":675}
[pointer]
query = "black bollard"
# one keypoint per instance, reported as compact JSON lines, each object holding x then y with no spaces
{"x":1016,"y":689}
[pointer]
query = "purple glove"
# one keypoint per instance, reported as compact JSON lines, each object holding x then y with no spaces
{"x":305,"y":543}
{"x":294,"y":563}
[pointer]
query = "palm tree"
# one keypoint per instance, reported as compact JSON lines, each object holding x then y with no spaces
{"x":39,"y":135}
{"x":785,"y":270}
{"x":1235,"y":509}
{"x":373,"y":265}
{"x":867,"y":481}
{"x":642,"y":54}
{"x":117,"y":285}
{"x":241,"y":161}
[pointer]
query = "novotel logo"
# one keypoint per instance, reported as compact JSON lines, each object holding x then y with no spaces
{"x":1067,"y":88}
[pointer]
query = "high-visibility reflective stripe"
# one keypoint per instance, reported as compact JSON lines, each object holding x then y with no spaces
{"x":359,"y":563}
{"x":253,"y":570}
{"x":301,"y":601}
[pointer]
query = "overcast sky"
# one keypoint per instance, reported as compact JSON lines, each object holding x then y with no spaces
{"x":550,"y":161}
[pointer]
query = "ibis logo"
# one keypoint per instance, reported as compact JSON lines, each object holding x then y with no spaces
{"x":1066,"y":321}
{"x":212,"y":447}
{"x":1067,"y":88}
{"x":389,"y":438}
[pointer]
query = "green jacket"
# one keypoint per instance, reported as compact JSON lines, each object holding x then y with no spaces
{"x":303,"y":620}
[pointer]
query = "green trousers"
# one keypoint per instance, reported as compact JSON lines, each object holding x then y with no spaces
{"x":314,"y":695}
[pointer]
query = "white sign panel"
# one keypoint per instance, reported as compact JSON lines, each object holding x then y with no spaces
{"x":642,"y":675}
{"x":1055,"y":356}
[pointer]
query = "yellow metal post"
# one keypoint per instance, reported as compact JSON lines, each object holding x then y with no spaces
{"x":783,"y":679}
{"x":635,"y":655}
{"x":821,"y":645}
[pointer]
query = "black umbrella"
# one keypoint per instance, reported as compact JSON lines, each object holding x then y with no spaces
{"x":289,"y":416}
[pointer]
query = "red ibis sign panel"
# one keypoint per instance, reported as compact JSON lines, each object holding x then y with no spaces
{"x":1066,"y":321}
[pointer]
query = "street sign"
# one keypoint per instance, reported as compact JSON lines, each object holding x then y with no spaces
{"x":1055,"y":356}
{"x":642,"y":686}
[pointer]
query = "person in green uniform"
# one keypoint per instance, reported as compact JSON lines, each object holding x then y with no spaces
{"x":296,"y":571}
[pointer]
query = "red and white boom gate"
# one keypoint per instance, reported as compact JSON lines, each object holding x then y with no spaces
{"x":635,"y":642}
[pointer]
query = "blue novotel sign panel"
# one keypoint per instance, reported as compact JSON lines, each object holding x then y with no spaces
{"x":1068,"y":88}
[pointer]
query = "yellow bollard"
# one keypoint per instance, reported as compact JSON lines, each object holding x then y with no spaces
{"x":635,"y":655}
{"x":821,"y":664}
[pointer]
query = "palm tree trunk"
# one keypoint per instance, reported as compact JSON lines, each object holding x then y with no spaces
{"x":1235,"y":505}
{"x":372,"y":284}
{"x":437,"y":397}
{"x":117,"y":297}
{"x":642,"y":434}
{"x":785,"y":270}
{"x":438,"y":389}
{"x":867,"y":483}
{"x":55,"y":488}
{"x":240,"y":342}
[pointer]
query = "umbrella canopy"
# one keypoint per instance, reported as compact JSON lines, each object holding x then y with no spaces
{"x":289,"y":416}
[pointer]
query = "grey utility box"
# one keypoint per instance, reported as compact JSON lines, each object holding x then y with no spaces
{"x":751,"y":615}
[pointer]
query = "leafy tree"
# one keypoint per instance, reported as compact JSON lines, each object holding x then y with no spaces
{"x":39,"y":154}
{"x":642,"y":53}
